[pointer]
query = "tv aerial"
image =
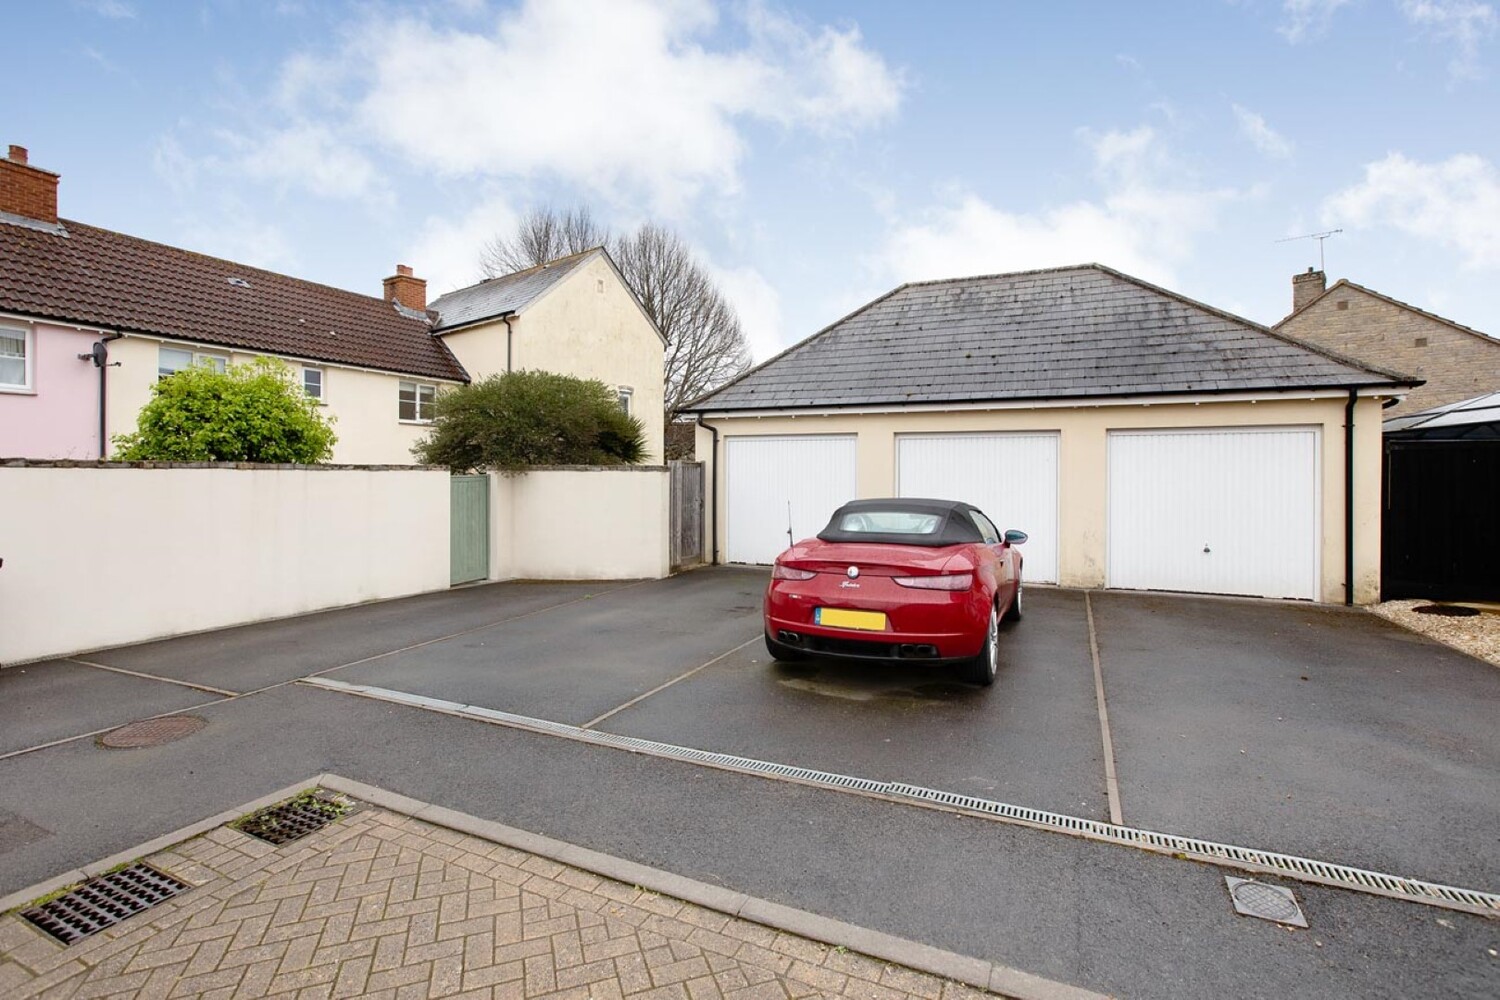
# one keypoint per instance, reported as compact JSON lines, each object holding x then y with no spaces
{"x":1320,"y":237}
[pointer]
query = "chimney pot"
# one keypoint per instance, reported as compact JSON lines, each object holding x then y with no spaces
{"x":27,"y":191}
{"x":1306,"y":287}
{"x":405,"y":290}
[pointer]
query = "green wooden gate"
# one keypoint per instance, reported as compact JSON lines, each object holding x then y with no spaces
{"x":469,"y":529}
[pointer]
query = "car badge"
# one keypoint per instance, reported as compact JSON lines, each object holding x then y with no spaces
{"x":853,"y":572}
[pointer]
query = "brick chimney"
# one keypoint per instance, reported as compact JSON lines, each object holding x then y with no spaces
{"x":27,"y":191}
{"x":402,"y":289}
{"x":1306,"y":287}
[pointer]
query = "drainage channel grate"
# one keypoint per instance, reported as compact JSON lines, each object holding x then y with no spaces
{"x":1291,"y":866}
{"x":294,"y":819}
{"x":103,"y":902}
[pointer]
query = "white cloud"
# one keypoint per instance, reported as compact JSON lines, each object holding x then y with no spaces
{"x":1465,"y":23}
{"x":1261,"y":135}
{"x":309,"y":157}
{"x":623,"y":97}
{"x":1454,"y":203}
{"x":447,"y":251}
{"x":1304,"y":19}
{"x":115,"y":10}
{"x":758,"y":305}
{"x":1144,"y":223}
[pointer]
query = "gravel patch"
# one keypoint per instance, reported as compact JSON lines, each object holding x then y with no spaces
{"x":1478,"y":636}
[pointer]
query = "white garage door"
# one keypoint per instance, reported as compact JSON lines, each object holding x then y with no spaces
{"x":769,"y":479}
{"x":1215,"y":511}
{"x":1011,"y":477}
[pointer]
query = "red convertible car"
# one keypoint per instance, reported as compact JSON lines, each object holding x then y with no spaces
{"x":926,"y":580}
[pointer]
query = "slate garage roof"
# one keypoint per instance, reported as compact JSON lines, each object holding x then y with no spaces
{"x":1071,"y":332}
{"x":81,"y":274}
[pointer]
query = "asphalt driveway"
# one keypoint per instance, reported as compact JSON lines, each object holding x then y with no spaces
{"x":1323,"y":732}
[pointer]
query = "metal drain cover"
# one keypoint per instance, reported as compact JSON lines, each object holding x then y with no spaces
{"x":289,"y":821}
{"x":1268,"y":902}
{"x":152,"y":732}
{"x":103,"y":902}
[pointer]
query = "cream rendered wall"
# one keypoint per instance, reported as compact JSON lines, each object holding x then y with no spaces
{"x":594,"y":523}
{"x":590,"y":326}
{"x":361,"y":402}
{"x":1083,"y":465}
{"x":100,"y":556}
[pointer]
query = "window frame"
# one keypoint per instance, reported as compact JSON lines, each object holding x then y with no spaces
{"x":322,"y":397}
{"x":221,"y":361}
{"x":28,"y":359}
{"x":417,"y":407}
{"x":625,"y":397}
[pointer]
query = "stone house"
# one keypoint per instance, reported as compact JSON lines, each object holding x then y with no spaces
{"x":1455,"y":361}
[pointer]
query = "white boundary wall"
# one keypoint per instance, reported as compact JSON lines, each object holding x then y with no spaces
{"x":101,"y":555}
{"x":581,"y":523}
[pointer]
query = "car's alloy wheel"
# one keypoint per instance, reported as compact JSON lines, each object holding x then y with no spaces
{"x":982,"y":668}
{"x":1013,"y":613}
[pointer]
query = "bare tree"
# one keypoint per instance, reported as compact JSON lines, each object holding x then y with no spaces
{"x":705,"y":344}
{"x":543,"y":234}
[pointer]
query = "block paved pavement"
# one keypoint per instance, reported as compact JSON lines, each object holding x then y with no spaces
{"x":382,"y":905}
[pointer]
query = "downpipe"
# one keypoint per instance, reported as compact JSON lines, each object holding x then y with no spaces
{"x":1349,"y":497}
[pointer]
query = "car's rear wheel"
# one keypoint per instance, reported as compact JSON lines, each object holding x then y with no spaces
{"x":1013,"y":613}
{"x":982,"y":669}
{"x":783,"y":652}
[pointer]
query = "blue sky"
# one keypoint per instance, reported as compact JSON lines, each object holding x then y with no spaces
{"x":816,"y":154}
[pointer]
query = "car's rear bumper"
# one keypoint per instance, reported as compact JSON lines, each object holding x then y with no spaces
{"x":930,"y":626}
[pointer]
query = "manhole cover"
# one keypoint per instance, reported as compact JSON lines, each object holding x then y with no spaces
{"x":1268,"y":902}
{"x":104,"y":902}
{"x":152,"y":732}
{"x":1446,"y":610}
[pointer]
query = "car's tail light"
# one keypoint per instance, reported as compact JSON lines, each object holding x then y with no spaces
{"x":780,"y":572}
{"x":948,"y":581}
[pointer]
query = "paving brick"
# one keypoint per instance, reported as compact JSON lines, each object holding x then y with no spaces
{"x":390,"y":908}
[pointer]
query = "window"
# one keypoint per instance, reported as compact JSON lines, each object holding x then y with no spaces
{"x":171,"y":360}
{"x":312,"y":383}
{"x":15,"y":358}
{"x":625,"y":393}
{"x":890,"y":522}
{"x":416,"y":402}
{"x":986,"y":529}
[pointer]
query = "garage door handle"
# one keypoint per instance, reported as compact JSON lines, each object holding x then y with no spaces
{"x":1205,"y":547}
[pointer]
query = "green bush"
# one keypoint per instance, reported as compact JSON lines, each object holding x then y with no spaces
{"x":520,"y":419}
{"x":255,"y":412}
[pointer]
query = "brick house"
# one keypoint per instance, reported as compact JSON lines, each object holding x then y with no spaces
{"x":1456,"y":361}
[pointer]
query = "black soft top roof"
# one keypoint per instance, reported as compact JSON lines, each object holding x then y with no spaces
{"x":956,"y":527}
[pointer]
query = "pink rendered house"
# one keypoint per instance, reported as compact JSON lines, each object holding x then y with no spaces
{"x":49,"y":382}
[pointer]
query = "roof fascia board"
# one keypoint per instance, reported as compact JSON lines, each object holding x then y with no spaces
{"x":471,"y":324}
{"x":209,"y":345}
{"x":1074,"y":402}
{"x":293,"y":358}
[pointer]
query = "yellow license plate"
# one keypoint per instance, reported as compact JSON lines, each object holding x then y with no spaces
{"x":870,"y":621}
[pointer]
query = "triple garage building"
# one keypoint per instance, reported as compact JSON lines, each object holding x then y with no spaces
{"x":1143,"y":440}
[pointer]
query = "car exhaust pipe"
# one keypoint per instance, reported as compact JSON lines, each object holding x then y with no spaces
{"x":790,"y":638}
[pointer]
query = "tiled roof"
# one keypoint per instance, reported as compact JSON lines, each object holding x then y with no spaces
{"x":1073,"y":332}
{"x":505,"y":295}
{"x":101,"y":278}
